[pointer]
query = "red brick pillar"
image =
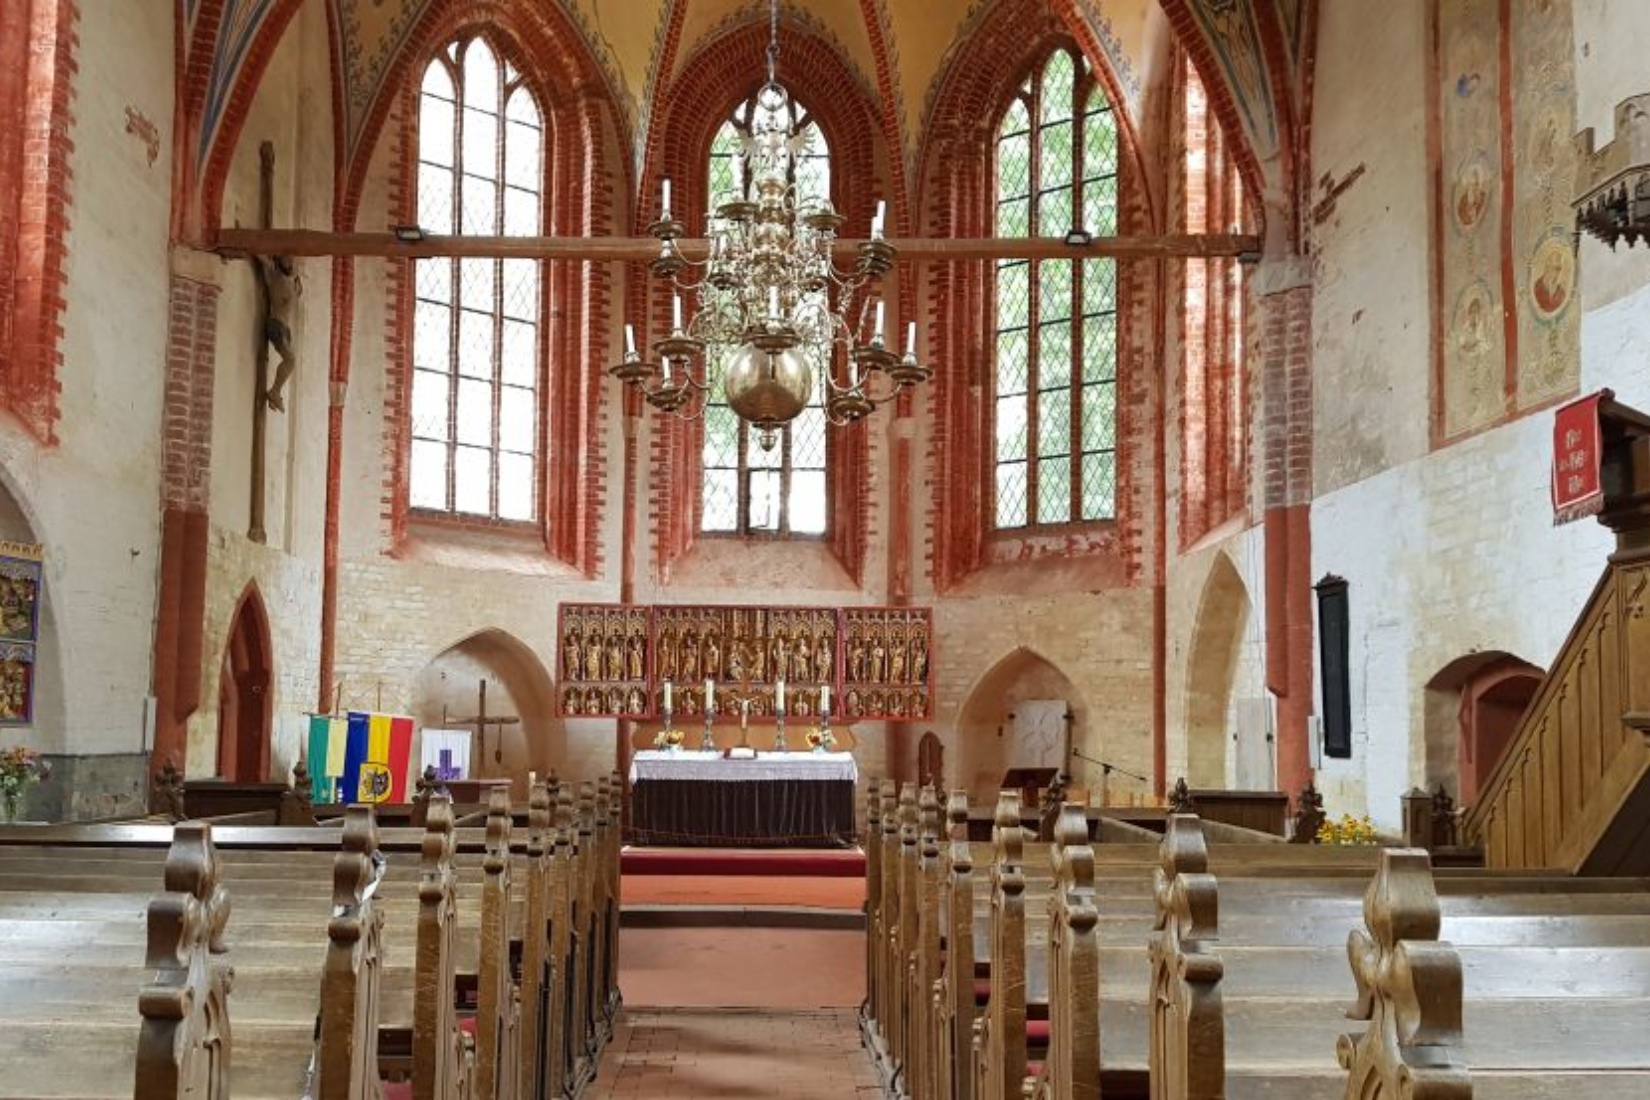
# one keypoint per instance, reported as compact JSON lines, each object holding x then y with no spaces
{"x":186,"y":465}
{"x":1286,"y":423}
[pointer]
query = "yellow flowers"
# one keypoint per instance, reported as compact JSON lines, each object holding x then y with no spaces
{"x":1348,"y":830}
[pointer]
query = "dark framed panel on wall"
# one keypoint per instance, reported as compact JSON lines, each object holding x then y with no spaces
{"x":1334,"y":657}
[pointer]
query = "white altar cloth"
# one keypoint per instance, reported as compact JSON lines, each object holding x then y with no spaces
{"x":691,"y":764}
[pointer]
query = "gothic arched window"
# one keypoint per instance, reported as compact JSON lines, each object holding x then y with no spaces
{"x":1055,"y":387}
{"x":476,"y":421}
{"x":746,"y":489}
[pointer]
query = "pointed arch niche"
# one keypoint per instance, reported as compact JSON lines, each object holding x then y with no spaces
{"x":245,"y":698}
{"x":1473,"y":707}
{"x":517,"y":685}
{"x":1222,"y":616}
{"x":986,"y":741}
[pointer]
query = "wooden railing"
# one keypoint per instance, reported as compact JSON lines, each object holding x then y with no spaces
{"x":1577,"y":773}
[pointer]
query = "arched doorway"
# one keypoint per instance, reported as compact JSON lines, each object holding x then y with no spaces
{"x":931,"y":761}
{"x":1473,"y":707}
{"x":1492,"y":705}
{"x":1222,"y":616}
{"x":245,"y":705}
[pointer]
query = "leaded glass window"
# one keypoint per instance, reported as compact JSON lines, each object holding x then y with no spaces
{"x":749,"y":490}
{"x":1055,"y":388}
{"x":476,"y":336}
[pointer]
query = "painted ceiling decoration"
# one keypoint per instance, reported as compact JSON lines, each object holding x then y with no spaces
{"x":240,"y":24}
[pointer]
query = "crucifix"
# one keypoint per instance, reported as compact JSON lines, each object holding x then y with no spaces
{"x":481,"y":721}
{"x":266,"y":212}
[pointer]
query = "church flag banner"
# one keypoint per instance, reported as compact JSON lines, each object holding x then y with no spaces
{"x":401,"y":736}
{"x":320,"y":731}
{"x":337,"y":746}
{"x":355,"y":754}
{"x":1578,"y":452}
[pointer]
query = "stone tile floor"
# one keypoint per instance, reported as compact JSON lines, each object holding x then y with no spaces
{"x":689,"y":1054}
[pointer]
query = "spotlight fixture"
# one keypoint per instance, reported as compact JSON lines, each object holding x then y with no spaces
{"x":409,"y":234}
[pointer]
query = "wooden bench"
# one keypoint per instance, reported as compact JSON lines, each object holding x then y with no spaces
{"x":1086,"y":913}
{"x":280,"y":886}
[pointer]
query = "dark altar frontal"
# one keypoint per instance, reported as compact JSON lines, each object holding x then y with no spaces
{"x":696,"y":799}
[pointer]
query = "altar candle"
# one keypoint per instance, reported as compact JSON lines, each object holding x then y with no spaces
{"x":779,"y":696}
{"x":630,"y":339}
{"x":666,"y":195}
{"x":773,"y":302}
{"x":667,"y":694}
{"x":825,"y":699}
{"x":710,"y":695}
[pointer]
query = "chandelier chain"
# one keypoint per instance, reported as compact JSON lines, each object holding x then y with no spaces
{"x":773,"y":39}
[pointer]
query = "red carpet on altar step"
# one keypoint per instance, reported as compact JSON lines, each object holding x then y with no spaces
{"x":793,"y":862}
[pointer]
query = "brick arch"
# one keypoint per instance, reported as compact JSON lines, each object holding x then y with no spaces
{"x":582,"y":122}
{"x":974,"y":87}
{"x":579,"y":150}
{"x":956,"y":198}
{"x":203,"y":218}
{"x":1223,"y":614}
{"x":683,"y":124}
{"x":38,"y":43}
{"x":246,"y":692}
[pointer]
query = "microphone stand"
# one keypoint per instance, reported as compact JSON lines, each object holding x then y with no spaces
{"x":1106,"y":768}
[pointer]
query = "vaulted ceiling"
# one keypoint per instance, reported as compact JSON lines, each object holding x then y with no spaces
{"x":1253,"y":54}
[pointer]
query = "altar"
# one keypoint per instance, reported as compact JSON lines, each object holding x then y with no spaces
{"x":773,"y":800}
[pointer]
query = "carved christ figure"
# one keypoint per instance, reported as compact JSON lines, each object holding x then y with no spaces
{"x":282,"y":289}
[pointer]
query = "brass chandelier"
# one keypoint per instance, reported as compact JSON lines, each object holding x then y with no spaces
{"x":772,"y":308}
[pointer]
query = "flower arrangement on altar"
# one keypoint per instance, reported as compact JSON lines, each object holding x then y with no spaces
{"x":20,"y":768}
{"x":1348,"y":830}
{"x":668,"y":739}
{"x":821,"y":739}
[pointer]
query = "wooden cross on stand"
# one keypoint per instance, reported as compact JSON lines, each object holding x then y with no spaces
{"x":481,"y":720}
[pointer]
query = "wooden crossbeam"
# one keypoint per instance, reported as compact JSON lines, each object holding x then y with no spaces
{"x":315,"y":242}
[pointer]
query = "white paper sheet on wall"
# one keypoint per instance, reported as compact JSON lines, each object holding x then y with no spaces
{"x":1039,"y":733}
{"x":448,"y":751}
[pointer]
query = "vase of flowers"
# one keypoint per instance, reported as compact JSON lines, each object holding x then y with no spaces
{"x":20,"y":769}
{"x":821,"y":739}
{"x":670,"y":740}
{"x":1348,"y":830}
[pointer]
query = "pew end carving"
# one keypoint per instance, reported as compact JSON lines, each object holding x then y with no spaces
{"x":1409,"y":990}
{"x":184,"y":1042}
{"x":1187,"y":1028}
{"x":1072,"y":1068}
{"x":347,"y":1058}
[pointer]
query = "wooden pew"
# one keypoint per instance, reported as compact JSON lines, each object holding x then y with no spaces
{"x":1272,"y":986}
{"x":274,"y":926}
{"x":276,"y":997}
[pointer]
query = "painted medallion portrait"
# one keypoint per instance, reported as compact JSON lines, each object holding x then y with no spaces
{"x":1475,"y":313}
{"x":1551,"y":276}
{"x":1471,"y":197}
